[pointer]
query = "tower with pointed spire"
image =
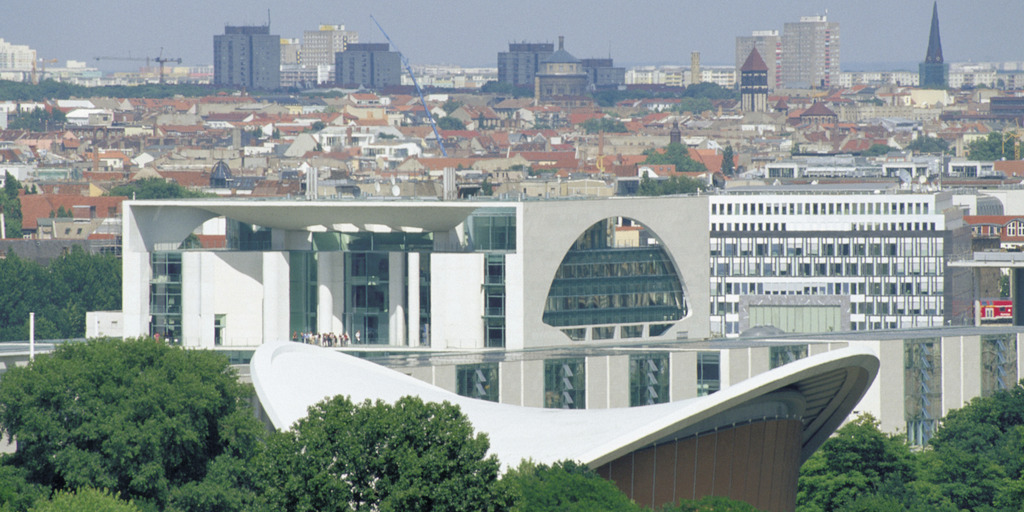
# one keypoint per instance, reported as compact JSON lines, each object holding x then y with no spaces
{"x":754,"y":83}
{"x":934,"y":72}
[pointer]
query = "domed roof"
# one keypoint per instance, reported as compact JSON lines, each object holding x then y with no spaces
{"x":221,"y":171}
{"x":561,"y":56}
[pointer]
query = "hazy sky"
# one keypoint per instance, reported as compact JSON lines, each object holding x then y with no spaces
{"x":874,"y":33}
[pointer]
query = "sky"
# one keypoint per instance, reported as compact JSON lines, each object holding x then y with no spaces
{"x":874,"y":34}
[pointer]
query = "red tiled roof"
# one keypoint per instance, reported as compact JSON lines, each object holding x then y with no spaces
{"x":36,"y":206}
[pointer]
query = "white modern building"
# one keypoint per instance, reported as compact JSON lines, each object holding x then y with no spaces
{"x":459,"y":275}
{"x":810,"y":53}
{"x":816,"y":260}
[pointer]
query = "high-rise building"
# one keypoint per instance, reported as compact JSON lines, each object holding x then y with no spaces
{"x":934,"y":72}
{"x":754,"y":83}
{"x":248,"y":56}
{"x":769,"y":46}
{"x":810,"y":53}
{"x":520,"y":64}
{"x":602,"y":73}
{"x":290,"y":50}
{"x":369,"y":65}
{"x":319,"y":46}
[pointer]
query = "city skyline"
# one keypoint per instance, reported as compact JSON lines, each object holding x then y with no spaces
{"x":467,"y":34}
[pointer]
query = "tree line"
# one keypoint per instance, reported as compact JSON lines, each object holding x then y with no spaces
{"x":136,"y":425}
{"x":59,"y":293}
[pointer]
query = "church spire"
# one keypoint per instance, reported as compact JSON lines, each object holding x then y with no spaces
{"x":934,"y":55}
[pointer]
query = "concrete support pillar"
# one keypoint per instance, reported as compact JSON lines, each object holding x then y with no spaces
{"x":414,"y":299}
{"x":135,"y":289}
{"x":197,"y":316}
{"x":1017,"y":294}
{"x":276,"y":297}
{"x":330,"y":272}
{"x":396,"y":298}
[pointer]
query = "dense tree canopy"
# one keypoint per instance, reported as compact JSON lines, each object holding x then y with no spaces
{"x":926,"y":144}
{"x":876,"y":150}
{"x":676,"y":154}
{"x":154,"y":188}
{"x":604,"y":124}
{"x":153,"y":423}
{"x":450,"y":123}
{"x":991,"y":148}
{"x":51,"y":90}
{"x":59,"y":294}
{"x":38,"y":120}
{"x":10,"y":205}
{"x":564,"y":486}
{"x":409,"y":456}
{"x":84,"y":500}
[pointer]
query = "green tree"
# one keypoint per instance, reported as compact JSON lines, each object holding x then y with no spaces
{"x":858,"y":460}
{"x":317,"y":126}
{"x":728,"y":166}
{"x":154,"y":188}
{"x":688,"y":104}
{"x":10,"y":205}
{"x":710,"y":504}
{"x":669,"y":186}
{"x":38,"y":120}
{"x":991,"y":148}
{"x":410,"y":456}
{"x":451,"y":106}
{"x":17,"y":494}
{"x":676,"y":154}
{"x":84,"y":500}
{"x":507,"y":89}
{"x":450,"y":123}
{"x":134,"y":416}
{"x":563,"y":486}
{"x":876,"y":150}
{"x":926,"y":144}
{"x":604,"y":124}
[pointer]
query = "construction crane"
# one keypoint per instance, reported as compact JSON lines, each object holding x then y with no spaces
{"x":160,"y":59}
{"x":408,"y":68}
{"x":41,"y":75}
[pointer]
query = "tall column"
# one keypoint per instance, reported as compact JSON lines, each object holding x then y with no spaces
{"x":396,"y":298}
{"x":135,"y":293}
{"x":276,"y":295}
{"x":330,"y":274}
{"x":414,"y":299}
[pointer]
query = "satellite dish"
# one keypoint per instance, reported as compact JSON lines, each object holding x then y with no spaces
{"x":376,"y":186}
{"x":392,"y":179}
{"x":904,"y":176}
{"x":922,"y":179}
{"x":396,"y":190}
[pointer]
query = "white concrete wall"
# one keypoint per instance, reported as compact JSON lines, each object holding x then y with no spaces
{"x":396,"y":299}
{"x":456,"y":300}
{"x":683,"y":370}
{"x":238,"y":294}
{"x":330,"y":274}
{"x":104,"y":323}
{"x":275,"y":297}
{"x":135,"y":275}
{"x":413,"y":294}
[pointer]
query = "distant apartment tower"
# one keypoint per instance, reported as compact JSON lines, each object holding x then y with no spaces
{"x":934,"y":72}
{"x":369,"y":65}
{"x":754,"y":83}
{"x":695,"y":74}
{"x":290,"y":49}
{"x":248,"y":56}
{"x":769,"y":46}
{"x":602,"y":73}
{"x":320,"y":46}
{"x":810,"y":53}
{"x":520,"y":64}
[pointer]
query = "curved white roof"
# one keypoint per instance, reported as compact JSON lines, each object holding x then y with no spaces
{"x":821,"y":389}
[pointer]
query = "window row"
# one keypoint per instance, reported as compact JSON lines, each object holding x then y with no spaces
{"x":821,"y":208}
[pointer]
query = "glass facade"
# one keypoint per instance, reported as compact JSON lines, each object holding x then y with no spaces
{"x":366,"y":300}
{"x":779,"y":356}
{"x":922,"y":388}
{"x":616,"y":272}
{"x":998,"y":363}
{"x":302,"y":295}
{"x":649,"y":379}
{"x":492,"y":229}
{"x":165,"y":296}
{"x":477,"y":381}
{"x":246,"y":237}
{"x":494,"y":300}
{"x":565,"y":384}
{"x":709,"y":378}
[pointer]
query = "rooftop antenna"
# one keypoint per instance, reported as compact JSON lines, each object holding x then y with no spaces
{"x":268,"y":18}
{"x":408,"y":68}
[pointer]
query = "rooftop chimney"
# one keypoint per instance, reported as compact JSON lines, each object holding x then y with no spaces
{"x":561,"y":42}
